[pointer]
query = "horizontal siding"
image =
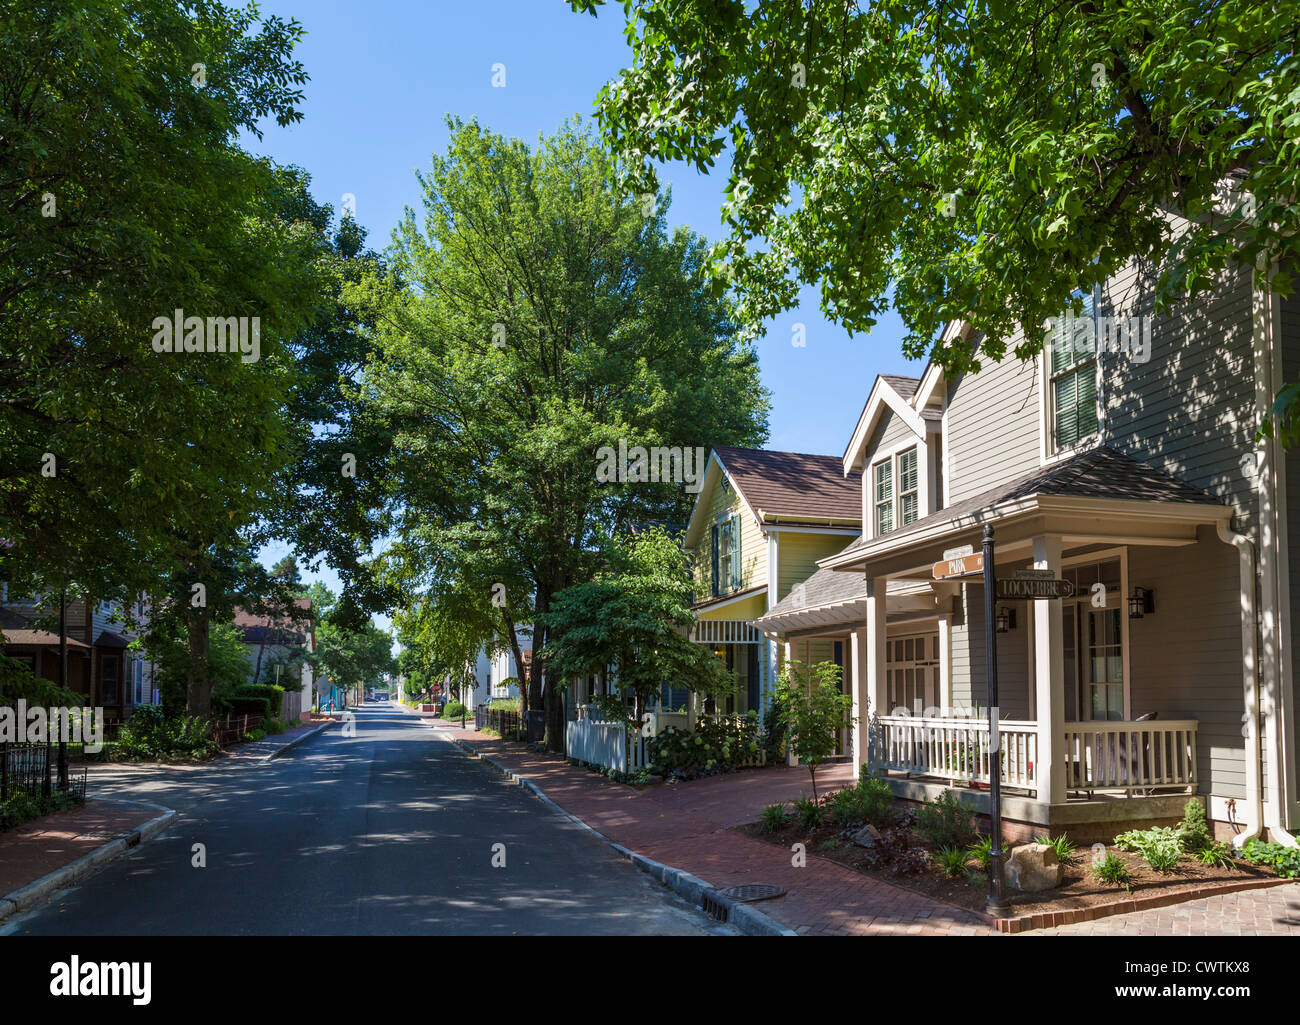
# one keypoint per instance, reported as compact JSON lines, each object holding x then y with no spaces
{"x":992,"y":434}
{"x":797,"y":555}
{"x":1185,"y":658}
{"x":1190,"y":409}
{"x":753,"y":546}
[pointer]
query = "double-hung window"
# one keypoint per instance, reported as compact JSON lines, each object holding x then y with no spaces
{"x":896,"y":493}
{"x":1072,"y":387}
{"x":883,"y":484}
{"x":726,"y":556}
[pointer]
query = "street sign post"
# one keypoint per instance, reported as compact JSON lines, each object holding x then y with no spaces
{"x":958,"y":566}
{"x":1034,"y":588}
{"x":996,"y":905}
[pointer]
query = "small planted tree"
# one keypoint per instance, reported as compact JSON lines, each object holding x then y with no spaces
{"x":813,"y":711}
{"x":633,"y":619}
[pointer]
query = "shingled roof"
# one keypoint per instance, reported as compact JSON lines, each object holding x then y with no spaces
{"x":905,"y":386}
{"x":793,"y":485}
{"x":1100,"y":472}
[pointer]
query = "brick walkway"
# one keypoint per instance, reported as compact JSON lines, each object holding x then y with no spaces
{"x":45,"y":844}
{"x":1271,"y":912}
{"x":686,"y":825}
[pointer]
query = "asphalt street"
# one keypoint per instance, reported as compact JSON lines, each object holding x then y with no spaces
{"x":390,"y":832}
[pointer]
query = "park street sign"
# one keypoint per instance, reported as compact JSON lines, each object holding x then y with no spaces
{"x":959,"y":566}
{"x":1033,"y":584}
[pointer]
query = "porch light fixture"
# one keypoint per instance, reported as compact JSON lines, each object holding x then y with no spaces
{"x":1006,"y":619}
{"x":1142,"y":602}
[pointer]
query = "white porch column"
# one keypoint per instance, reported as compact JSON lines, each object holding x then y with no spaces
{"x":1049,"y":679}
{"x":877,"y":686}
{"x":858,"y":666}
{"x":945,"y":662}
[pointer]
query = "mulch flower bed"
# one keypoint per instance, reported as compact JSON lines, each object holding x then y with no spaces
{"x":1080,"y":889}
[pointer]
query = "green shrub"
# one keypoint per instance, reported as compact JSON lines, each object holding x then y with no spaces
{"x":1194,"y":832}
{"x":1285,"y":861}
{"x":1160,"y":846}
{"x":868,"y":801}
{"x":453,"y":709}
{"x":273,"y":727}
{"x":1065,"y":848}
{"x":773,"y":818}
{"x":150,"y":734}
{"x":946,"y":822}
{"x":1217,"y":855}
{"x":19,"y":808}
{"x":774,"y":730}
{"x":716,"y":744}
{"x":982,"y":851}
{"x":953,"y":860}
{"x":1111,"y":869}
{"x":808,"y":813}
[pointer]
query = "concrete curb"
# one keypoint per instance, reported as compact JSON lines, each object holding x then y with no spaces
{"x":296,"y":741}
{"x":748,"y":920}
{"x":37,"y":891}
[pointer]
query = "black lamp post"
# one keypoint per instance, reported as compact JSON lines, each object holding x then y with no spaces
{"x":996,"y":905}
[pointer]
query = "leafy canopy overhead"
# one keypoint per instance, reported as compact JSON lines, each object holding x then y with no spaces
{"x":127,"y":197}
{"x":982,"y":159}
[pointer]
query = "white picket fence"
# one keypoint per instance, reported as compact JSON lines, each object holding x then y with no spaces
{"x":605,"y":744}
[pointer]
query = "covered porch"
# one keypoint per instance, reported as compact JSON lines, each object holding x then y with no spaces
{"x":1103,"y":695}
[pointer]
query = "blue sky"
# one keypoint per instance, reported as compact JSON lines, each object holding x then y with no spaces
{"x":385,"y":73}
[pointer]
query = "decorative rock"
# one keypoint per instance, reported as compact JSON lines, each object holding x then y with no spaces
{"x":1033,"y":867}
{"x":867,"y":836}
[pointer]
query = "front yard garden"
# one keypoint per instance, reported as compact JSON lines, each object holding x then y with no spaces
{"x":936,"y":850}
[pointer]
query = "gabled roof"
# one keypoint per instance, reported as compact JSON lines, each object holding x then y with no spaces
{"x":889,"y":392}
{"x":792,"y":486}
{"x":1099,"y":473}
{"x":787,"y":488}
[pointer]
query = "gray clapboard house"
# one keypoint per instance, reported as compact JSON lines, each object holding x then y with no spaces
{"x":1127,"y":463}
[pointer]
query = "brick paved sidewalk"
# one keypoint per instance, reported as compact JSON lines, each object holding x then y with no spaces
{"x":686,"y":825}
{"x":1271,"y":912}
{"x":45,"y":844}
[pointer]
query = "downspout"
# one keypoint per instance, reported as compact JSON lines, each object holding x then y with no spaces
{"x":1267,"y":373}
{"x":1250,"y":679}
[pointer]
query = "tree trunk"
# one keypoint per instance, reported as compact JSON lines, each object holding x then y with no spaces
{"x":257,"y":673}
{"x":519,"y":662}
{"x":199,"y":698}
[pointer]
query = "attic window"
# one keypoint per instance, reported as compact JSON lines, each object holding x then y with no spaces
{"x":726,"y":483}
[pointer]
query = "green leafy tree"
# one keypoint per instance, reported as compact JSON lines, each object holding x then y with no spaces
{"x":813,"y":711}
{"x":633,"y":619}
{"x":127,"y":197}
{"x":548,"y":314}
{"x":976,"y":161}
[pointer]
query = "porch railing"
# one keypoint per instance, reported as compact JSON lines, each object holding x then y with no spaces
{"x":957,"y":749}
{"x":1126,"y":756}
{"x":1130,"y":755}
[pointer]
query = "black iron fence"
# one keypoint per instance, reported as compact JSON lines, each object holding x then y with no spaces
{"x":32,"y":769}
{"x":503,"y":721}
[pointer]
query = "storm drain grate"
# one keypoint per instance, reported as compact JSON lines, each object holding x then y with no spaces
{"x":713,"y":904}
{"x":751,"y":891}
